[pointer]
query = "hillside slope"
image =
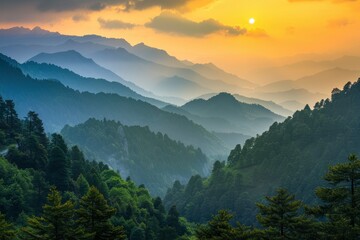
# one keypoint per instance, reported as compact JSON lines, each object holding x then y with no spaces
{"x":148,"y":158}
{"x":294,"y":154}
{"x":59,"y":105}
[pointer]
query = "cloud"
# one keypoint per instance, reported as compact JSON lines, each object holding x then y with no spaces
{"x":175,"y":24}
{"x":80,"y":17}
{"x":115,"y":24}
{"x":96,"y":5}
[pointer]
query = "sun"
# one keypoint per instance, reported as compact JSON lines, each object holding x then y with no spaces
{"x":252,"y":21}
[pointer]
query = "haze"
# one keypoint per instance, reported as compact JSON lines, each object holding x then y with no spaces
{"x":208,"y":31}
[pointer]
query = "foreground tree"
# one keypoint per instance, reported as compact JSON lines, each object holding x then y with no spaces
{"x":281,"y":218}
{"x":219,"y":228}
{"x":342,"y":200}
{"x":56,"y":222}
{"x":58,"y":169}
{"x":7,"y":231}
{"x":94,"y":215}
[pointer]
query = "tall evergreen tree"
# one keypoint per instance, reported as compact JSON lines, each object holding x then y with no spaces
{"x":58,"y":169}
{"x":34,"y":126}
{"x":342,"y":200}
{"x":159,"y":211}
{"x":172,"y":220}
{"x":219,"y":228}
{"x":281,"y":217}
{"x":82,"y":185}
{"x":58,"y":141}
{"x":94,"y":215}
{"x":7,"y":231}
{"x":36,"y":153}
{"x":173,"y":228}
{"x":41,"y":186}
{"x":56,"y":222}
{"x":11,"y":119}
{"x":77,"y":162}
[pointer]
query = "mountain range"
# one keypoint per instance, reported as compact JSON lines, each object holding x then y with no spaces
{"x":59,"y":105}
{"x":294,"y":154}
{"x":224,"y":114}
{"x":118,"y":56}
{"x":276,"y":108}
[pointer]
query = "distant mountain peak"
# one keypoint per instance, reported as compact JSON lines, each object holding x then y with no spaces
{"x":69,"y":55}
{"x":39,"y":30}
{"x":224,"y":96}
{"x":141,"y":44}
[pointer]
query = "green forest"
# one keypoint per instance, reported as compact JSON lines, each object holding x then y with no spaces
{"x":149,"y":158}
{"x":294,"y":154}
{"x":50,"y":191}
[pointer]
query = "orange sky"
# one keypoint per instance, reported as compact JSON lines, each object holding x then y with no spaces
{"x":282,"y":28}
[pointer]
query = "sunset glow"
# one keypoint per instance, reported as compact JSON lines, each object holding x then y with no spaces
{"x":281,"y":28}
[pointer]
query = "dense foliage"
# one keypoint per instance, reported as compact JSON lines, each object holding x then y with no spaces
{"x":59,"y":105}
{"x":90,"y":200}
{"x":151,"y":159}
{"x":294,"y":154}
{"x":284,"y":217}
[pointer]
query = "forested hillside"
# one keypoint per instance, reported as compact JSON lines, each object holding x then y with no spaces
{"x":59,"y":105}
{"x":294,"y":154}
{"x":151,"y":159}
{"x":224,"y":114}
{"x":49,"y":191}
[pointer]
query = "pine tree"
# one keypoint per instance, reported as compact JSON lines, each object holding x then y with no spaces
{"x":342,"y":200}
{"x":11,"y":119}
{"x":172,"y":219}
{"x":82,"y":185}
{"x":58,"y":169}
{"x":94,"y":215}
{"x":77,"y":162}
{"x":159,"y":211}
{"x":35,"y":152}
{"x":219,"y":228}
{"x":58,"y":141}
{"x":173,"y":227}
{"x":34,"y":126}
{"x":40,"y":187}
{"x":7,"y":231}
{"x":55,"y":223}
{"x":281,"y":217}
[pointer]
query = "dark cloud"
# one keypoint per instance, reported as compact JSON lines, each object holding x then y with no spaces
{"x":44,"y":10}
{"x":115,"y":24}
{"x":94,"y":5}
{"x":175,"y":24}
{"x":80,"y":17}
